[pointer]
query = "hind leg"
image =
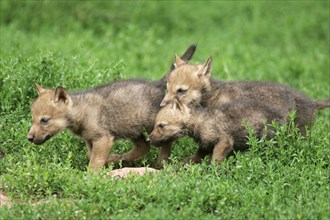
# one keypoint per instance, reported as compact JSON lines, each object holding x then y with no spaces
{"x":198,"y":156}
{"x":140,"y":148}
{"x":305,"y":112}
{"x":301,"y":124}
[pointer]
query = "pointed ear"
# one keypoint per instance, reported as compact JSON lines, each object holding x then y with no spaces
{"x":178,"y":61}
{"x":206,"y":68}
{"x":61,"y":95}
{"x":39,"y":88}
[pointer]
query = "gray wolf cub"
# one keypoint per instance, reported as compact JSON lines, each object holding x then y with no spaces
{"x":193,"y":85}
{"x":122,"y":109}
{"x":218,"y":130}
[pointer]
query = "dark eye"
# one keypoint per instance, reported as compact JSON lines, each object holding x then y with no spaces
{"x":44,"y":121}
{"x":161,"y":125}
{"x":181,"y":91}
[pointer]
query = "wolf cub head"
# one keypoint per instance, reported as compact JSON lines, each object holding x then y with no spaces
{"x":188,"y":82}
{"x":170,"y":123}
{"x":49,"y":113}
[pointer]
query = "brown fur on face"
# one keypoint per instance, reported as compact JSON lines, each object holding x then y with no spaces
{"x":187,"y":81}
{"x":48,"y":114}
{"x":169,"y":123}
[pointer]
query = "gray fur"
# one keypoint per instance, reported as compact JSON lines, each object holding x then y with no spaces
{"x":124,"y":109}
{"x":206,"y":124}
{"x":279,"y":97}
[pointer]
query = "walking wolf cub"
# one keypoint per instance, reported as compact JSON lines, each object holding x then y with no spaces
{"x":193,"y":85}
{"x":218,"y":130}
{"x":122,"y":109}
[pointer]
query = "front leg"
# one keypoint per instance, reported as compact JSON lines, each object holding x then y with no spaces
{"x":164,"y":153}
{"x":89,"y":147}
{"x":222,"y":149}
{"x":100,"y":151}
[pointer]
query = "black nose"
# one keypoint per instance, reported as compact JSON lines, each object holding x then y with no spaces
{"x":30,"y":137}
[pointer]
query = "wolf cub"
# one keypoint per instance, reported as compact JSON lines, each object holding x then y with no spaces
{"x":194,"y":86}
{"x":218,"y":130}
{"x":122,"y":109}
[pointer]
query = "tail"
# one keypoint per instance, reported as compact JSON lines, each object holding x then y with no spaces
{"x":186,"y":57}
{"x":322,"y":104}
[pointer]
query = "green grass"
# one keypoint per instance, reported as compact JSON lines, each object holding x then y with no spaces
{"x":82,"y":44}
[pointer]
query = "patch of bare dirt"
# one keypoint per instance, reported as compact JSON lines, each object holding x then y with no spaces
{"x":124,"y":172}
{"x":4,"y":200}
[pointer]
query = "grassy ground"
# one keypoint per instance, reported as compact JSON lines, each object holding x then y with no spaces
{"x":83,"y":44}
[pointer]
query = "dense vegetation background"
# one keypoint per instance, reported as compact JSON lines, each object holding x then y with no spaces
{"x":82,"y":44}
